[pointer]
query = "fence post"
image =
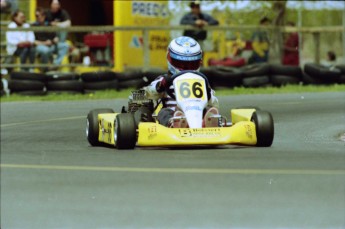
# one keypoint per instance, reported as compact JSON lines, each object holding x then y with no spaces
{"x":146,"y":47}
{"x":316,"y":36}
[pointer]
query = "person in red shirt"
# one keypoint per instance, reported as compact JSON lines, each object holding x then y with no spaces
{"x":291,"y":48}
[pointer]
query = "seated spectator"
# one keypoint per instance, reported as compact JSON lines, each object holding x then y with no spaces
{"x":260,"y":43}
{"x":20,"y":43}
{"x":331,"y":59}
{"x":47,"y":43}
{"x":291,"y":48}
{"x":58,"y":17}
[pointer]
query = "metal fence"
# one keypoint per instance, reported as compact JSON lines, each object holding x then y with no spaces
{"x":315,"y":31}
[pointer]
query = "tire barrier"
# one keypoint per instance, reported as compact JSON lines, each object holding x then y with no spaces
{"x":256,"y":70}
{"x":323,"y":74}
{"x":133,"y":83}
{"x":341,"y":67}
{"x":98,"y":76}
{"x":282,"y":80}
{"x":56,"y":76}
{"x":286,"y":70}
{"x":254,"y":75}
{"x":256,"y":81}
{"x":32,"y":87}
{"x":66,"y":86}
{"x":102,"y":80}
{"x":28,"y":76}
{"x":153,"y":73}
{"x":101,"y":85}
{"x":220,"y":76}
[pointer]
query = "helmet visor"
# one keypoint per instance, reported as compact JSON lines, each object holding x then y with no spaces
{"x":185,"y":65}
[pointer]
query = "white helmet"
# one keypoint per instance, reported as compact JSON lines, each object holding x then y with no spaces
{"x":184,"y":53}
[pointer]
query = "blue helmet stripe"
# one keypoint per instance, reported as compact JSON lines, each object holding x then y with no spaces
{"x":185,"y":58}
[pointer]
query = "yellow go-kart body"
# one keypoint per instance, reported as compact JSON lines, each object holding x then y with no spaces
{"x":241,"y":132}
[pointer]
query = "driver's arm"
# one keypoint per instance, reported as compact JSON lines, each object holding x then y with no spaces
{"x":153,"y":90}
{"x":213,"y":101}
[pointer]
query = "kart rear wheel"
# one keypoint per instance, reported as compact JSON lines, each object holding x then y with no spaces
{"x":125,"y":133}
{"x":264,"y":128}
{"x":92,"y":126}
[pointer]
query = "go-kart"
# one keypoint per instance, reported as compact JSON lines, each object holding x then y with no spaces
{"x":138,"y":124}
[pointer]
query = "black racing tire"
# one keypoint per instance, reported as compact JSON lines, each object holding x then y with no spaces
{"x":132,"y":83}
{"x":226,"y":76}
{"x":326,"y":74}
{"x":255,"y":81}
{"x":281,"y":80}
{"x":255,"y":70}
{"x":342,"y":79}
{"x":125,"y":133}
{"x":143,"y":114}
{"x":25,"y":85}
{"x":341,"y":67}
{"x":208,"y":72}
{"x":28,"y":76}
{"x":264,"y":127}
{"x":152,"y":73}
{"x":65,"y":85}
{"x":98,"y":76}
{"x":92,"y":126}
{"x":286,"y":70}
{"x":129,"y":75}
{"x":57,"y":76}
{"x":32,"y":93}
{"x":101,"y":85}
{"x":307,"y":79}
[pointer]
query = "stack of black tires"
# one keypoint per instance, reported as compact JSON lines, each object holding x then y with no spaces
{"x":319,"y":74}
{"x":102,"y":80}
{"x":254,"y":75}
{"x":26,"y":83}
{"x":261,"y":75}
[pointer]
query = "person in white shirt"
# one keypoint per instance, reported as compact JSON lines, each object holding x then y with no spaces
{"x":20,"y":43}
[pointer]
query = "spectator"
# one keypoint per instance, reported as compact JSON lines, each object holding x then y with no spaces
{"x":59,"y":17}
{"x":331,"y":59}
{"x":260,"y":44}
{"x":20,"y":43}
{"x":47,"y":42}
{"x":8,"y":6}
{"x":197,"y":19}
{"x":291,"y":48}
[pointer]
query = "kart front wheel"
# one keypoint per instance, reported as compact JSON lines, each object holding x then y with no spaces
{"x":264,"y":128}
{"x":92,"y":126}
{"x":125,"y":133}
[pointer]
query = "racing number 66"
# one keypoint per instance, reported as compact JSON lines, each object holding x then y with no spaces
{"x":196,"y":90}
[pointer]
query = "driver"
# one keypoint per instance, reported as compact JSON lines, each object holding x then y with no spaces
{"x":184,"y":53}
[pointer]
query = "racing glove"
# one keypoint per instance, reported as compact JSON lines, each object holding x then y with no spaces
{"x":161,"y":85}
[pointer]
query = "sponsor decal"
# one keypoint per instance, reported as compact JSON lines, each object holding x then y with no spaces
{"x":200,"y":133}
{"x":197,"y":108}
{"x":157,"y":42}
{"x":137,"y":42}
{"x":149,"y":9}
{"x":249,"y":131}
{"x":106,"y":130}
{"x":152,"y":132}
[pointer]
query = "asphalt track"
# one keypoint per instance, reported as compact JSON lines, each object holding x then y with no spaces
{"x":52,"y":178}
